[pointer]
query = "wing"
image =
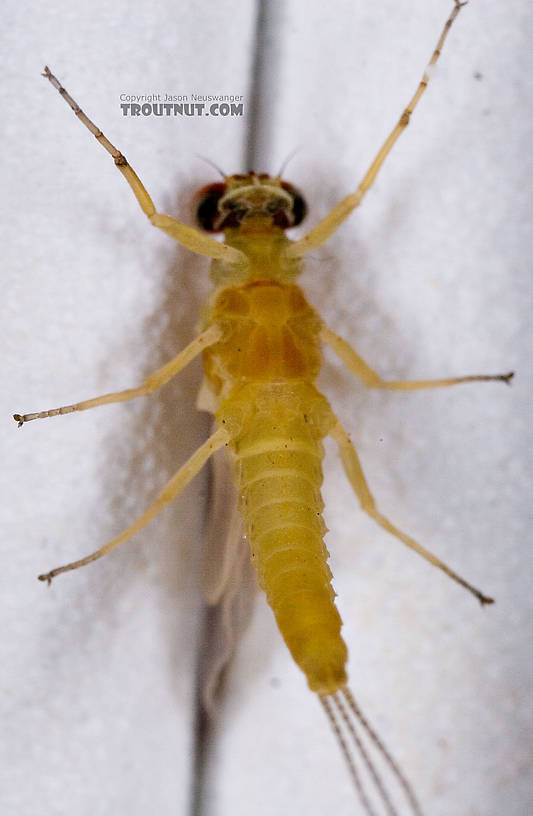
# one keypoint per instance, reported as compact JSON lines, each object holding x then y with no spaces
{"x":229,"y":581}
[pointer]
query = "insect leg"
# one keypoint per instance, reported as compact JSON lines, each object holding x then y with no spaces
{"x":356,"y":477}
{"x":151,"y":383}
{"x":371,"y":378}
{"x":189,"y":237}
{"x":319,"y":234}
{"x":172,"y":489}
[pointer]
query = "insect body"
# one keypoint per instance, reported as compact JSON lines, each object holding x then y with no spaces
{"x":277,"y":419}
{"x":260,"y":341}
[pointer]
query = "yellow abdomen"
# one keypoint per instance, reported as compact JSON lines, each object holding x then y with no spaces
{"x":264,"y":369}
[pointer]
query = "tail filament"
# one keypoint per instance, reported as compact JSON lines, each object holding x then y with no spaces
{"x":359,"y":744}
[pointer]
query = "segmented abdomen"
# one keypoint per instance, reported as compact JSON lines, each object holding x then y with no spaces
{"x":278,"y":453}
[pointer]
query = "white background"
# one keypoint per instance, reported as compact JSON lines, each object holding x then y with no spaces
{"x":429,"y":278}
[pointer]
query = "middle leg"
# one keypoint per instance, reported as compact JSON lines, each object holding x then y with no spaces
{"x":152,"y":383}
{"x":371,"y":378}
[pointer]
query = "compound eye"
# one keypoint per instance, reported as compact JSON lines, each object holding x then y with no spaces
{"x":208,"y":216}
{"x":299,"y":207}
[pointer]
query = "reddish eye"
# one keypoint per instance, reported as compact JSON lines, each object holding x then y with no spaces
{"x":210,"y":219}
{"x":207,"y":213}
{"x":299,"y":207}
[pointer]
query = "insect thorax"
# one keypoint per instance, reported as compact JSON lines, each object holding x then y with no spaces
{"x":265,"y":248}
{"x":270,"y":335}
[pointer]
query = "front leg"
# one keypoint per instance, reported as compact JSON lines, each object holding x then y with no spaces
{"x":187,"y":236}
{"x":330,"y":224}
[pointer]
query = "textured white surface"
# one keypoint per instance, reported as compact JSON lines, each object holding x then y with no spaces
{"x":429,"y":278}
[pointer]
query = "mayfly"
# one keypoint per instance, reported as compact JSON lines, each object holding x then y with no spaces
{"x":260,"y":341}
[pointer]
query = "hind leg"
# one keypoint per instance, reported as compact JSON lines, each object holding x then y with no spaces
{"x":356,"y":477}
{"x":171,"y":490}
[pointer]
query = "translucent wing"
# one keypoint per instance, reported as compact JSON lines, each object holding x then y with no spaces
{"x":229,"y":581}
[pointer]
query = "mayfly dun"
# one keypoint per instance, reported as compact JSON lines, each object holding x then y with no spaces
{"x":261,"y":346}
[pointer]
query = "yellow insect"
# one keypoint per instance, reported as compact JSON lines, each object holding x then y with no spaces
{"x":260,"y":342}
